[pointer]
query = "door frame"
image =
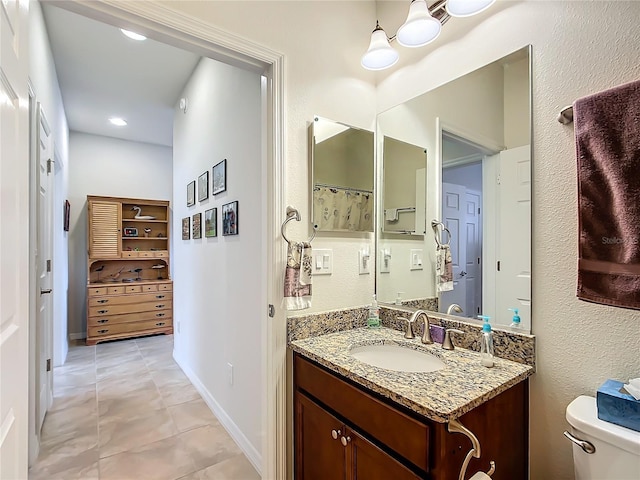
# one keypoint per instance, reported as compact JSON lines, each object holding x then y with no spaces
{"x":183,"y":31}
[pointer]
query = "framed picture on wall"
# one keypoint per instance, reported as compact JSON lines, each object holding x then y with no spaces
{"x":211,"y":222}
{"x":191,"y":193}
{"x":186,"y":228}
{"x":203,"y":186}
{"x":220,"y":177}
{"x":230,"y":218}
{"x":197,"y":231}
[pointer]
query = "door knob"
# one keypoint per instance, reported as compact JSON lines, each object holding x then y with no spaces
{"x":463,"y":273}
{"x":42,"y":292}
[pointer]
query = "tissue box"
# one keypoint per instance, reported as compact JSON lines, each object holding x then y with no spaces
{"x":617,"y":407}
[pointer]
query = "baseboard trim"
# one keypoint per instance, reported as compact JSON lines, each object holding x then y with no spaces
{"x":225,"y":420}
{"x":78,"y":336}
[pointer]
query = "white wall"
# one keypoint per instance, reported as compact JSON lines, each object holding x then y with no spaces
{"x":220,"y":282}
{"x":114,"y":168}
{"x":578,"y":48}
{"x":44,"y":80}
{"x":323,"y":77}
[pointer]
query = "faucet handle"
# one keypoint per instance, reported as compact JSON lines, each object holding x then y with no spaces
{"x":447,"y":344}
{"x":408,"y":332}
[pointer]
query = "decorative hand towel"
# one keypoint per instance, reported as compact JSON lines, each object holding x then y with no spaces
{"x":297,"y":276}
{"x":607,"y":131}
{"x":444,"y":269}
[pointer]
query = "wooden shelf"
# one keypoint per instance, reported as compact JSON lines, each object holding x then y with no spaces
{"x":144,"y":238}
{"x":134,"y":220}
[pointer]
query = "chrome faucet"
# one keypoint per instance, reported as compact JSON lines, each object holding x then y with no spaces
{"x":447,"y":344}
{"x":454,"y":307}
{"x":426,"y":334}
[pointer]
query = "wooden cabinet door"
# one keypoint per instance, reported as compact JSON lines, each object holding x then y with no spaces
{"x":318,"y":455}
{"x":105,"y":239}
{"x":365,"y":461}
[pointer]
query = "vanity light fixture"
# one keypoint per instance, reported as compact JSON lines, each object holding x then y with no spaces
{"x":423,"y":25}
{"x":117,"y":121}
{"x":133,"y":35}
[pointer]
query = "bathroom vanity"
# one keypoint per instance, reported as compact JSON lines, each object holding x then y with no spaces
{"x":353,"y":420}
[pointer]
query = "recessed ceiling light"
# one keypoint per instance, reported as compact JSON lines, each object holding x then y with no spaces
{"x":118,"y":122}
{"x":133,"y":35}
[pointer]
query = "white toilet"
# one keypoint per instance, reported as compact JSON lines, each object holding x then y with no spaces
{"x":617,"y":449}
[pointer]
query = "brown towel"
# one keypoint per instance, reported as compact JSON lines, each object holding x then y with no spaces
{"x":607,"y":130}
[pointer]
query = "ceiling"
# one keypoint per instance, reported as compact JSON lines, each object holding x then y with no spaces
{"x":103,"y":74}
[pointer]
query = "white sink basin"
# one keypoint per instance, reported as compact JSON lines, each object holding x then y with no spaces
{"x":396,"y":357}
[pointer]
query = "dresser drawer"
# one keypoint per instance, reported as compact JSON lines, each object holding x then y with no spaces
{"x":115,"y":290}
{"x":130,"y":254}
{"x":165,"y":287}
{"x":97,"y":291}
{"x":129,"y":317}
{"x":149,"y":288}
{"x":400,"y":432}
{"x":130,"y":308}
{"x":105,"y":330}
{"x":128,"y":299}
{"x":133,"y":289}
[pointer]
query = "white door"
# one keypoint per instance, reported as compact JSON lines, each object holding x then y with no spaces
{"x":44,"y":316}
{"x":473,"y":254}
{"x":513,"y":279}
{"x":14,"y":239}
{"x":454,"y":217}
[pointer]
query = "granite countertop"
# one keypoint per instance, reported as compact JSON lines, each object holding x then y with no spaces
{"x":449,"y":393}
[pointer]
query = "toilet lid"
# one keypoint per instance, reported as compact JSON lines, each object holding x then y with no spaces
{"x":582,"y":414}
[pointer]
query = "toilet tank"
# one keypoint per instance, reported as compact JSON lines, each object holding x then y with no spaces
{"x":617,"y":449}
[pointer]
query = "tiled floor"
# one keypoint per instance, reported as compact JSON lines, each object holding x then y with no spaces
{"x":124,"y":410}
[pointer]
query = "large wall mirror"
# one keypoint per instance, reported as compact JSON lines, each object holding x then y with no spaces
{"x":342,"y":165}
{"x":476,"y":131}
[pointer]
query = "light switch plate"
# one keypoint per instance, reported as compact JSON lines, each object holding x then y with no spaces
{"x":322,"y":261}
{"x":415,"y":259}
{"x":385,"y":260}
{"x":364,"y":262}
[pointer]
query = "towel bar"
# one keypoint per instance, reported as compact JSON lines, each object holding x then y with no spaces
{"x":565,"y":116}
{"x":294,"y":214}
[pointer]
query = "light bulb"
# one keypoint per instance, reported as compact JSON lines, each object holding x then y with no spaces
{"x":380,"y":54}
{"x":420,"y":27}
{"x":466,"y":8}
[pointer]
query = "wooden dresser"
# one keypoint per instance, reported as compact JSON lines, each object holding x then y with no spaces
{"x":129,"y":291}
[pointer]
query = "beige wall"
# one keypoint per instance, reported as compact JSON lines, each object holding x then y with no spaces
{"x":578,"y":48}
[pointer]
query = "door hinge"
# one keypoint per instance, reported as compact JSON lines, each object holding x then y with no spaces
{"x":48,"y":265}
{"x":478,"y":210}
{"x":498,"y":180}
{"x":272,"y":311}
{"x":49,"y":166}
{"x":48,"y":364}
{"x":498,"y":265}
{"x":478,"y":260}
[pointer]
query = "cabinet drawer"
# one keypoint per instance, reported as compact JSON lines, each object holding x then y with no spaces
{"x":133,"y":289}
{"x":165,"y":287}
{"x":127,"y":299}
{"x":129,"y":327}
{"x":129,"y":308}
{"x":160,"y":253}
{"x":97,"y":291}
{"x":115,"y":290}
{"x":129,"y":317}
{"x":393,"y":428}
{"x":130,"y":254}
{"x":149,"y":288}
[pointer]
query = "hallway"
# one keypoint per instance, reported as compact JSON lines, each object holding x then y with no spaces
{"x":124,"y":410}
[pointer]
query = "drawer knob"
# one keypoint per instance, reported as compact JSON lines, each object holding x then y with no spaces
{"x":160,"y":306}
{"x":159,"y":296}
{"x":345,"y":441}
{"x":160,"y":314}
{"x":104,"y":320}
{"x":104,"y":330}
{"x":102,"y":311}
{"x":335,"y":434}
{"x":103,"y":301}
{"x":159,"y":324}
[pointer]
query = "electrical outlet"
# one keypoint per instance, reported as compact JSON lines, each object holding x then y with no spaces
{"x":364,"y":259}
{"x":230,"y":373}
{"x":415,"y":259}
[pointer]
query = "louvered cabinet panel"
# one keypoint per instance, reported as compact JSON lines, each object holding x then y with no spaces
{"x":104,"y":229}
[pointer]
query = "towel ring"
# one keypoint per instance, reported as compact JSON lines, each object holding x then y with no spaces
{"x":294,"y":214}
{"x":435,"y":224}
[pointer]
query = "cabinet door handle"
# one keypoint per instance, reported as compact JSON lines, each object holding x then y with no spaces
{"x":104,"y":330}
{"x":159,"y":296}
{"x":104,"y":320}
{"x":345,"y":441}
{"x":159,"y":324}
{"x":102,"y":311}
{"x":335,"y":434}
{"x":160,"y":306}
{"x":160,"y":314}
{"x":103,"y":301}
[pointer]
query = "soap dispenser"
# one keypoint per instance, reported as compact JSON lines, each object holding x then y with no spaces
{"x":399,"y":298}
{"x":486,"y":343}
{"x":373,"y":321}
{"x":515,"y":321}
